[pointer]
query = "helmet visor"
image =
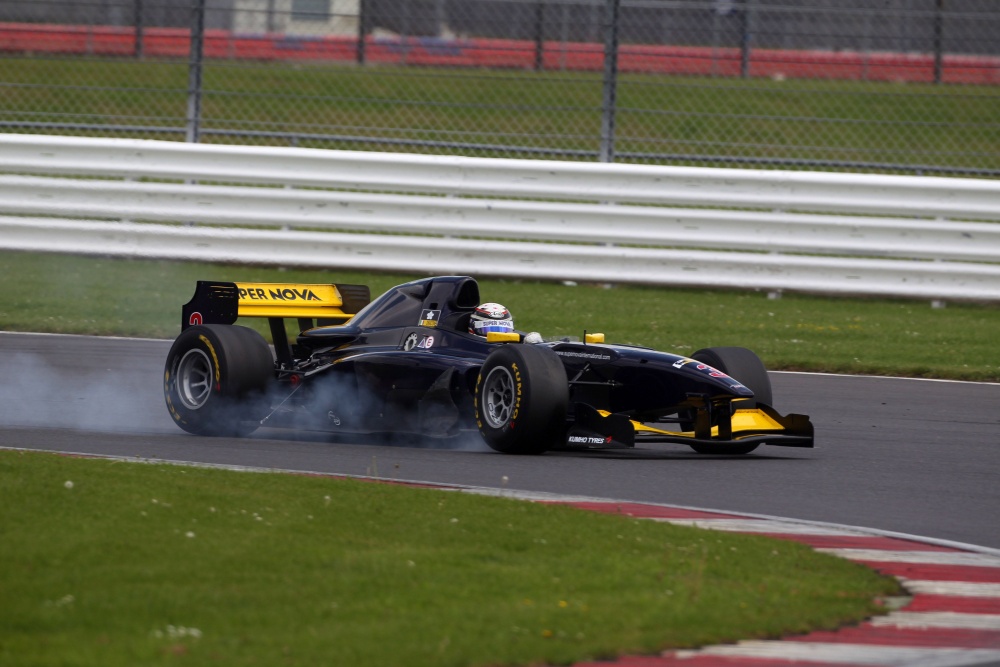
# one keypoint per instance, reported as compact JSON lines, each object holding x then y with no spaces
{"x":493,"y":326}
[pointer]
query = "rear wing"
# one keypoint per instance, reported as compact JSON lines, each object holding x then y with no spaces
{"x":311,"y":305}
{"x":222,"y":303}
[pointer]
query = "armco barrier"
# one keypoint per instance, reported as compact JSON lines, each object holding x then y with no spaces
{"x":921,"y":237}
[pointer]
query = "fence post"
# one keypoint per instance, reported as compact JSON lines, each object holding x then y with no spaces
{"x":938,"y":39}
{"x":139,"y":30}
{"x":194,"y":71}
{"x":362,"y":30}
{"x":539,"y":35}
{"x":404,"y":34}
{"x":749,"y":27}
{"x":609,"y":102}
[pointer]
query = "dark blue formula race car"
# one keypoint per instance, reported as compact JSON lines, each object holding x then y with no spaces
{"x":408,"y":363}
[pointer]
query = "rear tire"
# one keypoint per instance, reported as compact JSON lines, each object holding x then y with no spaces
{"x":216,"y":378}
{"x":746,"y":367}
{"x":521,"y":399}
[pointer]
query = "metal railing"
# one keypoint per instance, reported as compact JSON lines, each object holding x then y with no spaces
{"x":924,"y":237}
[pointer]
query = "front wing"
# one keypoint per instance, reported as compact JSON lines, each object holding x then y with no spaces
{"x":599,"y":429}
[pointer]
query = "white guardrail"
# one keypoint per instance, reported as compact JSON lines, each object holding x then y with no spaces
{"x":923,"y":237}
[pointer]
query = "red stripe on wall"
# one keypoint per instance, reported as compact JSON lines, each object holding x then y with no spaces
{"x":500,"y":53}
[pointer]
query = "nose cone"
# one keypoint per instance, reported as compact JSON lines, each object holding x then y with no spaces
{"x":713,"y":376}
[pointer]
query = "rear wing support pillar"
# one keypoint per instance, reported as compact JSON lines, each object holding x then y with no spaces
{"x":282,"y":350}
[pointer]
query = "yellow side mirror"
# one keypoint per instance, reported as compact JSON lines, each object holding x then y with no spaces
{"x":594,"y":338}
{"x":502,"y":337}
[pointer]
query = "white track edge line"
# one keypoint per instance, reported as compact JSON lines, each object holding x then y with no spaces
{"x":848,"y":654}
{"x":885,"y":377}
{"x":72,"y":335}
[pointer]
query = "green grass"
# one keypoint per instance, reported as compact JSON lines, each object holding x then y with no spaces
{"x":688,"y":117}
{"x":68,"y":294}
{"x":109,"y":563}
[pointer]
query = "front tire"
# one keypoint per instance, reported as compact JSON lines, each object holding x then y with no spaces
{"x":745,"y":366}
{"x":216,"y":378}
{"x":521,"y":399}
{"x":740,"y":364}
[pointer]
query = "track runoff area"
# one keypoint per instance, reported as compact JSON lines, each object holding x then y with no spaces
{"x":952,"y":618}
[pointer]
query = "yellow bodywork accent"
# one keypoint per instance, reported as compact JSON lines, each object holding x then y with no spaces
{"x":290,"y":300}
{"x":750,"y":419}
{"x":754,"y":419}
{"x":594,"y":338}
{"x":502,"y":337}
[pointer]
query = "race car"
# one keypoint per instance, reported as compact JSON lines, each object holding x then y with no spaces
{"x":408,"y":363}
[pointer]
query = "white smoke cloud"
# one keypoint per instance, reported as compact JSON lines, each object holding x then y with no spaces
{"x":34,"y":393}
{"x":124,"y":394}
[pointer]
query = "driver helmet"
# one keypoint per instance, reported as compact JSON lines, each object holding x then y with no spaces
{"x":491,"y":317}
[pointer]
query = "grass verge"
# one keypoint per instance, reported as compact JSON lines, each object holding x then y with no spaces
{"x":67,"y":294}
{"x":125,"y":563}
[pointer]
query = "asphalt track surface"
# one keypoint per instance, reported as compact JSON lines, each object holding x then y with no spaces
{"x":906,"y":456}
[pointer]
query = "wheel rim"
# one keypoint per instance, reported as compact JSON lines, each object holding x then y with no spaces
{"x":194,"y":379}
{"x":498,"y":396}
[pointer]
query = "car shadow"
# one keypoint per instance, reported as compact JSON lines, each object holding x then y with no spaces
{"x":644,"y":454}
{"x":472,"y":443}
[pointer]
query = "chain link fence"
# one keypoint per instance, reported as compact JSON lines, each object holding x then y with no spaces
{"x":910,"y":86}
